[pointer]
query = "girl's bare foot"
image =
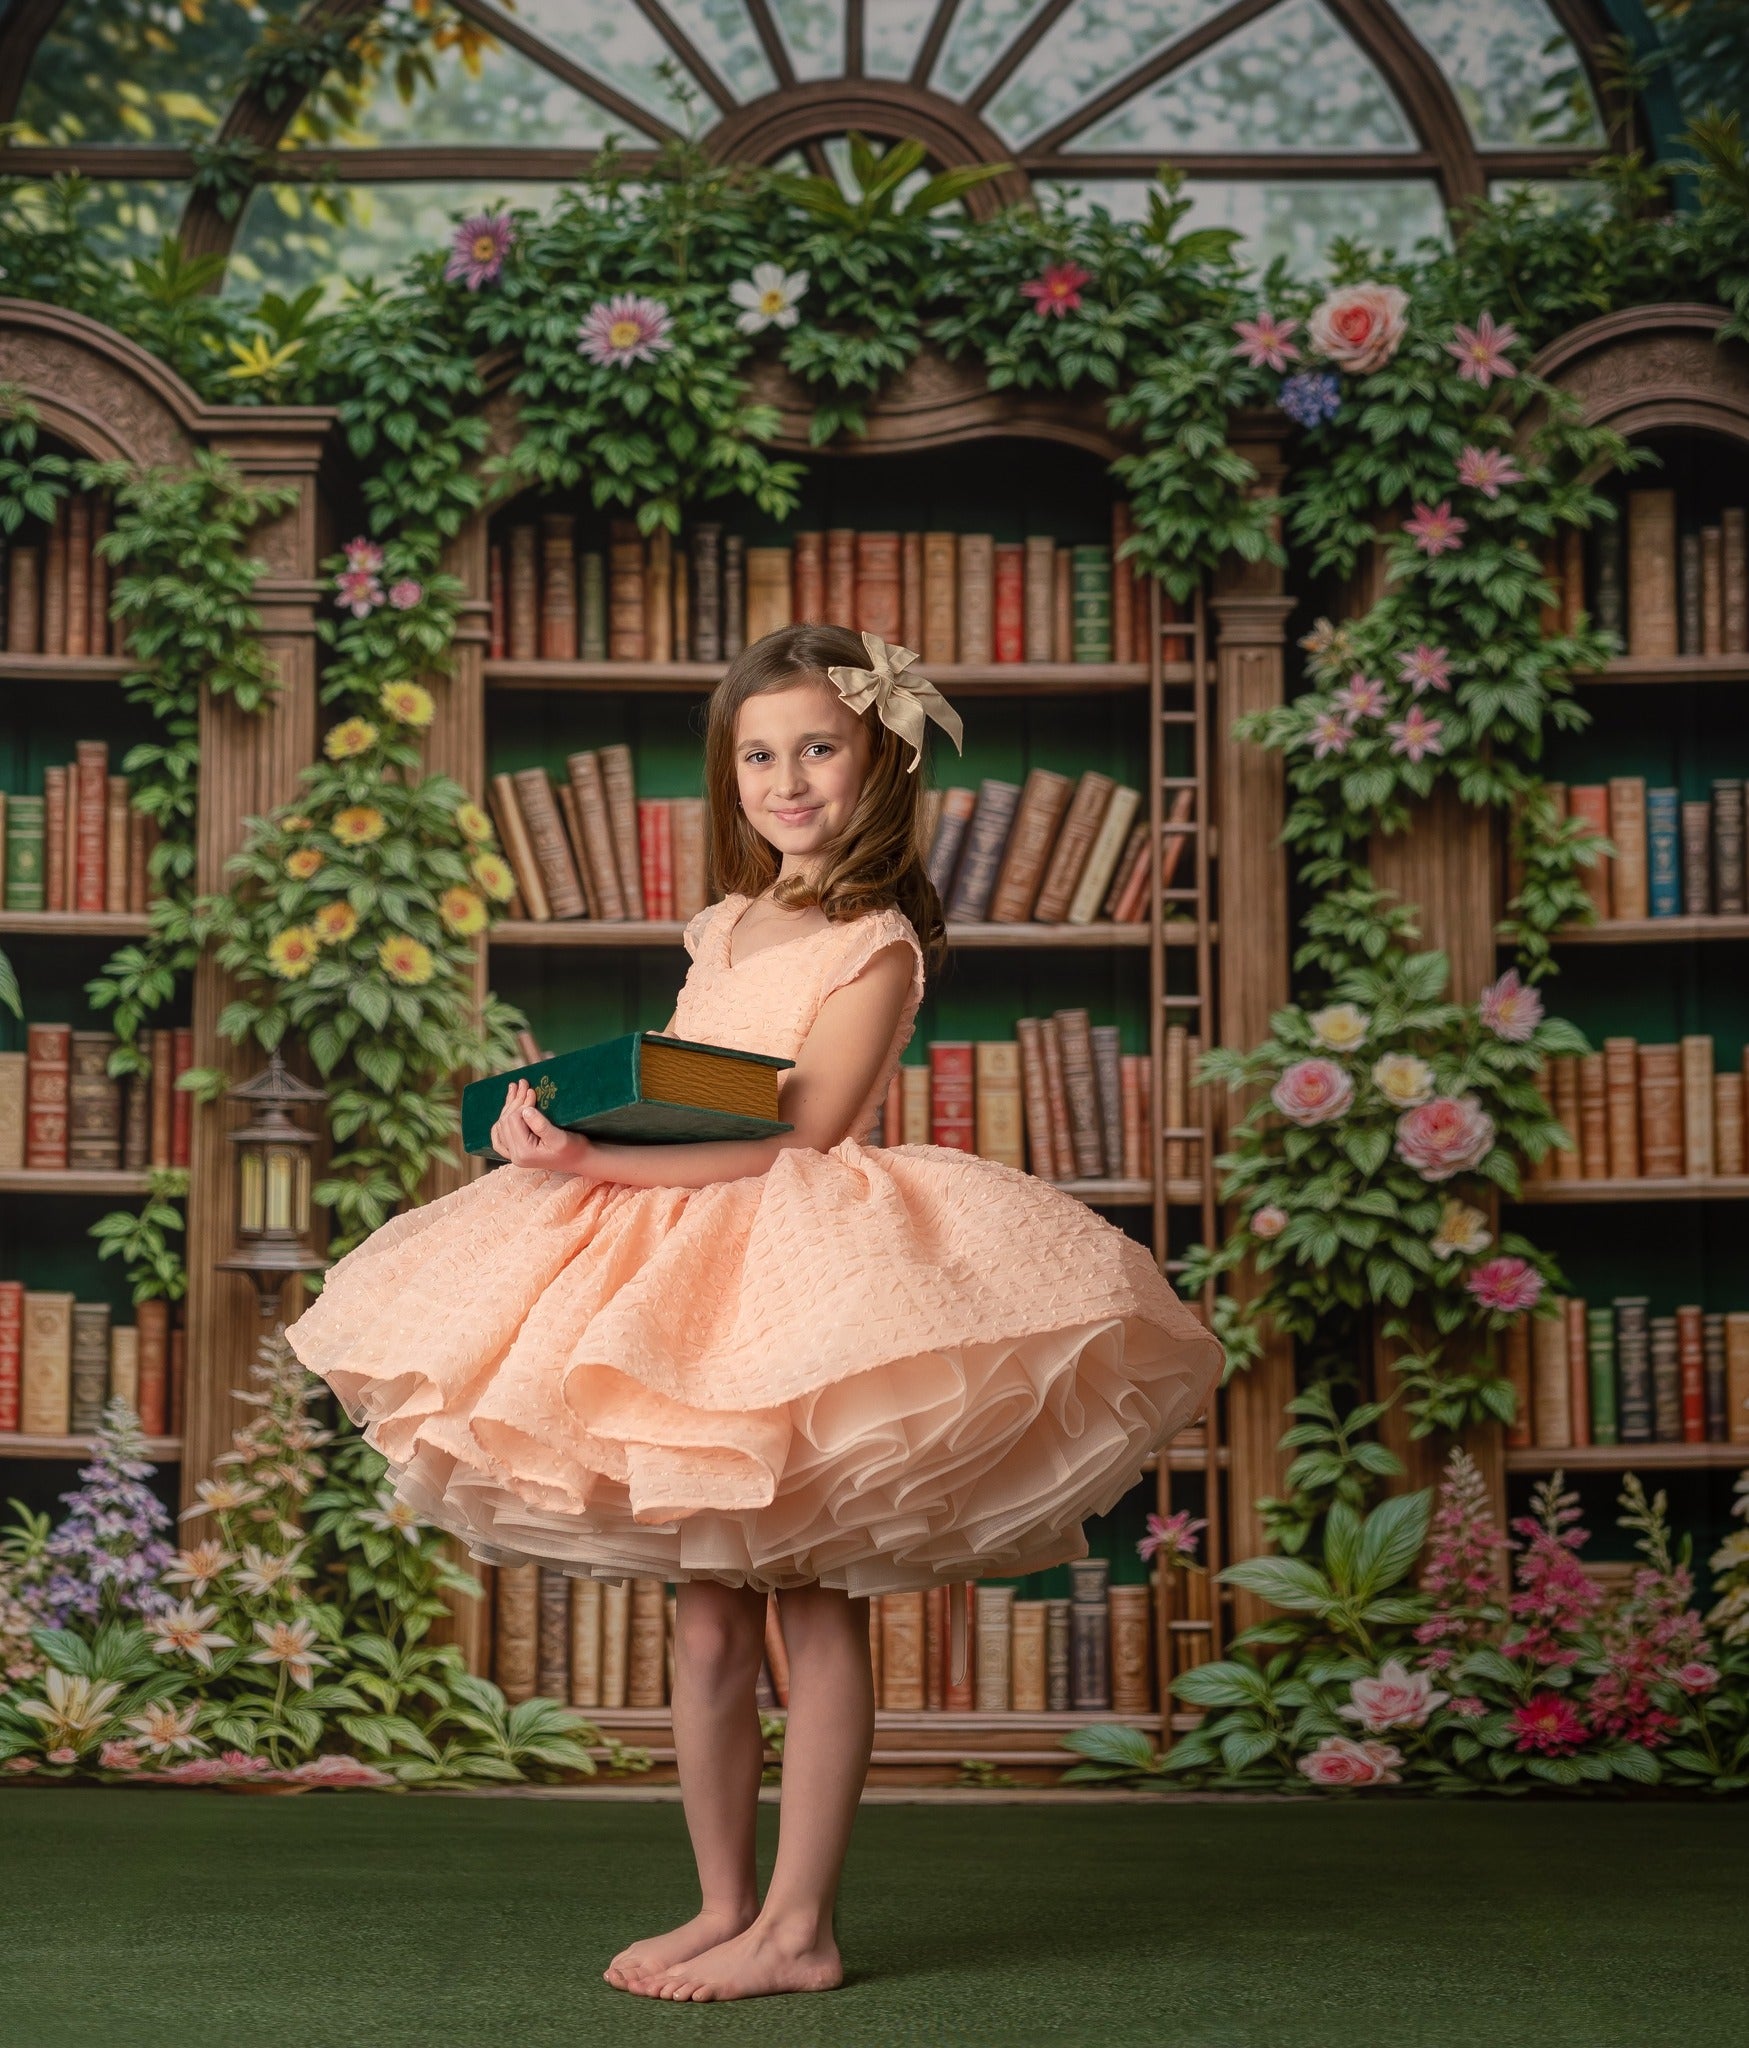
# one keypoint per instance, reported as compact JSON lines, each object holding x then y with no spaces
{"x":635,"y":1967}
{"x":767,"y":1956}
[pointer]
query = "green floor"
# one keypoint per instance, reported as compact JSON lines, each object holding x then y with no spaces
{"x":179,"y":1920}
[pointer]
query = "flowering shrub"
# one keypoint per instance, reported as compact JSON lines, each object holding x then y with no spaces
{"x":289,"y":1648}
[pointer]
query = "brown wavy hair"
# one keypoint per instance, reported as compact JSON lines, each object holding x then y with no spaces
{"x":876,"y":860}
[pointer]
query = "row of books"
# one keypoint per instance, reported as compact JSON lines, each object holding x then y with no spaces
{"x":61,"y":1108}
{"x":597,"y":1644}
{"x":1667,"y":579}
{"x":78,"y":843}
{"x":55,"y":586}
{"x":62,"y":1360}
{"x":591,"y":847}
{"x":1672,"y":858}
{"x":1646,"y":1112}
{"x":953,"y":597}
{"x":1059,"y":1100}
{"x":1051,"y":851}
{"x":1614,"y":1374}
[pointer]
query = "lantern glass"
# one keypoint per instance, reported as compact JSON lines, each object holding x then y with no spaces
{"x":281,"y":1171}
{"x":301,"y":1192}
{"x":251,"y":1203}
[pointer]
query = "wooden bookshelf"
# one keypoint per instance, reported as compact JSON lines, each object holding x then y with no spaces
{"x":1628,"y":1458}
{"x":76,"y":924}
{"x":162,"y":1450}
{"x":55,"y":1180}
{"x":1645,"y":931}
{"x":1720,"y":1188}
{"x":1002,"y":678}
{"x":1674,"y":668}
{"x":64,"y":668}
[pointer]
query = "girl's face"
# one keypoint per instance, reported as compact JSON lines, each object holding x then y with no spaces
{"x":800,"y":757}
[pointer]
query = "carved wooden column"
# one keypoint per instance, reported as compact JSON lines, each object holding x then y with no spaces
{"x":1251,"y":613}
{"x":249,"y":763}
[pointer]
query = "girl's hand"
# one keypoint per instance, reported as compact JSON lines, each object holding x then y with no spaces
{"x":525,"y":1137}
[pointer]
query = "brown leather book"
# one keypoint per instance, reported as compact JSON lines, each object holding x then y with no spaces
{"x":570,"y":812}
{"x":1027,"y":1686}
{"x":902,"y":1650}
{"x":24,"y":569}
{"x":996,"y":1102}
{"x":585,"y":772}
{"x":1075,"y":1029}
{"x":48,"y":1054}
{"x":1592,"y":1162}
{"x":1578,"y":1369}
{"x":115,"y":842}
{"x":89,"y":1371}
{"x":89,"y":789}
{"x":911,"y":590}
{"x":1063,"y":608}
{"x":625,"y":592}
{"x":1572,"y":578}
{"x":1551,"y":1390}
{"x":524,"y":593}
{"x":1564,"y":1097}
{"x":734,"y":595}
{"x":977,"y":598}
{"x":879,"y":598}
{"x":1108,"y":1086}
{"x":975,"y":875}
{"x":546,"y":836}
{"x":690,"y":892}
{"x":585,"y":1659}
{"x":1057,"y":1093}
{"x":960,"y":1697}
{"x":768,"y":591}
{"x":558,"y":587}
{"x":1043,"y":801}
{"x":516,"y":1630}
{"x":152,"y":1322}
{"x":1621,"y":1073}
{"x":1008,"y":634}
{"x":1123,"y":586}
{"x":1515,"y":1360}
{"x":78,"y":629}
{"x":1115,"y":825}
{"x":1691,"y":1371}
{"x":619,"y":785}
{"x":1035,"y":1098}
{"x":808,"y":567}
{"x":1135,"y":1165}
{"x":98,"y":631}
{"x":993,"y":1685}
{"x":1696,"y":1054}
{"x":124,"y":1364}
{"x":680,"y":579}
{"x":1590,"y":801}
{"x":1734,"y":579}
{"x":1135,"y":849}
{"x":1737,"y":1376}
{"x":659,"y":597}
{"x":940,"y":598}
{"x":518,"y":847}
{"x":1130,"y":1610}
{"x":1627,"y":827}
{"x":707,"y":591}
{"x":54,"y":596}
{"x":93,"y":1103}
{"x":1712,"y":590}
{"x":45,"y":1395}
{"x":497,"y":604}
{"x":1661,"y":1148}
{"x":1697,"y":858}
{"x":935,"y":1647}
{"x":142,"y":836}
{"x":1651,"y":556}
{"x":1039,"y":573}
{"x":616,"y":1641}
{"x":840,"y":577}
{"x":161,"y":1077}
{"x":646,"y":1676}
{"x":553,"y":1635}
{"x":1728,"y":1148}
{"x":1730,"y":884}
{"x":1081,"y":824}
{"x":12,"y":1083}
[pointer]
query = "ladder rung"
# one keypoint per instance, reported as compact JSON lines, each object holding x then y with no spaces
{"x":1178,"y":782}
{"x":1182,"y":1002}
{"x":1178,"y":718}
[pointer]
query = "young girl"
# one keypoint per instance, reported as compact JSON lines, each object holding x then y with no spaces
{"x":807,"y":1363}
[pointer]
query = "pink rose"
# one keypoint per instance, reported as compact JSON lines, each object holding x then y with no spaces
{"x":1360,"y":328}
{"x":1338,"y":1760}
{"x":1445,"y":1136}
{"x":1509,"y":1286}
{"x":1396,"y":1698}
{"x":1696,"y":1676}
{"x":1270,"y":1221}
{"x":1312,"y":1092}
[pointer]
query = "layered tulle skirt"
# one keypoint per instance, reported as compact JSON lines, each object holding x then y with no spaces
{"x":873,"y":1368}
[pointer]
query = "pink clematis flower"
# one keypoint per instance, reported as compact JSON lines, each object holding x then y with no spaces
{"x":1509,"y":1009}
{"x":357,"y":591}
{"x":1481,"y":351}
{"x":1329,"y":733}
{"x":1508,"y":1286}
{"x":1058,"y":289}
{"x":1175,"y":1535}
{"x":1361,"y":697}
{"x":625,"y":329}
{"x":1435,"y":528}
{"x":364,"y":555}
{"x":479,"y":247}
{"x":1416,"y":734}
{"x":1486,"y":469}
{"x":1424,"y":668}
{"x":1264,"y":342}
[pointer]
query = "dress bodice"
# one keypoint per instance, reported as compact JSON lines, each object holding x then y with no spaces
{"x":768,"y":1002}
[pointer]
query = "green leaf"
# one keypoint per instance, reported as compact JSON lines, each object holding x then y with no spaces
{"x":1283,"y":1581}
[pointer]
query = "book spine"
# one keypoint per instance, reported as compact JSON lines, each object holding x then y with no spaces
{"x":546,"y":838}
{"x":1633,"y":1369}
{"x":93,"y":1103}
{"x":1043,"y":801}
{"x":625,"y":592}
{"x":1663,"y":857}
{"x":55,"y":836}
{"x":916,"y":1120}
{"x":1123,"y":587}
{"x":518,"y":848}
{"x":584,"y":770}
{"x":1728,"y":1146}
{"x":1651,"y":557}
{"x":11,"y":1352}
{"x":1107,"y":1052}
{"x":976,"y":875}
{"x":48,"y":1053}
{"x":1092,"y":573}
{"x":1660,"y":1112}
{"x":1036,"y":1097}
{"x":840,"y":598}
{"x":592,"y":605}
{"x":1714,"y":1370}
{"x":688,"y":832}
{"x":497,"y":604}
{"x":1074,"y":844}
{"x":619,"y":787}
{"x":78,"y":573}
{"x":524,"y":594}
{"x":659,"y":597}
{"x":1728,"y":843}
{"x":1734,"y":580}
{"x":1691,"y":1372}
{"x":911,"y":590}
{"x":1578,"y":1370}
{"x":1600,"y":1358}
{"x":585,"y":1647}
{"x":1010,"y":602}
{"x":1550,"y":1384}
{"x":23,"y":591}
{"x":1689,"y":578}
{"x":957,"y":807}
{"x":1710,"y":625}
{"x":1622,"y":1099}
{"x":808,"y":569}
{"x":1057,"y":1093}
{"x":1606,"y":564}
{"x":152,"y":1320}
{"x":181,"y":1102}
{"x":734,"y":595}
{"x":46,"y":1363}
{"x":116,"y":828}
{"x":1104,"y":854}
{"x":1695,"y":1052}
{"x":1697,"y":858}
{"x":768,"y":579}
{"x":54,"y":595}
{"x":940,"y":598}
{"x":558,"y":587}
{"x":1075,"y":1031}
{"x":1089,"y":1641}
{"x":1038,"y":578}
{"x":1589,"y":802}
{"x":996,"y":1098}
{"x":977,"y":597}
{"x":951,"y":1116}
{"x":707,"y":591}
{"x":1627,"y":827}
{"x":24,"y":852}
{"x":89,"y":1371}
{"x":878,"y":593}
{"x":1666,"y":1382}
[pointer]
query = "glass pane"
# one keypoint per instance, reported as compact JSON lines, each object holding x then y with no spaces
{"x":294,"y":235}
{"x":1090,"y":48}
{"x":1516,"y":76}
{"x":511,"y":101}
{"x":1291,"y":80}
{"x":1298,"y":221}
{"x":141,"y":71}
{"x":611,"y":40}
{"x":126,"y":216}
{"x":981,"y":31}
{"x":813,"y":34}
{"x":892,"y":34}
{"x":837,"y":149}
{"x":724,"y":37}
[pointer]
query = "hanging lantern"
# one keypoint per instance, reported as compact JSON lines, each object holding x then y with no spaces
{"x":272,"y":1236}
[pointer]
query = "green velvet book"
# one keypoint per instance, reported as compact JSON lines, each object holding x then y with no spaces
{"x":640,"y":1089}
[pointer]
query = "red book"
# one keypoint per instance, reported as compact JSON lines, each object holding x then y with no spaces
{"x":650,"y":813}
{"x":1691,"y":1364}
{"x":11,"y":1350}
{"x":950,"y":1094}
{"x":153,"y":1319}
{"x":181,"y":1102}
{"x":1010,"y":601}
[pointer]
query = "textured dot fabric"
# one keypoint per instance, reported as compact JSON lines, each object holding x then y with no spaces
{"x":874,"y":1368}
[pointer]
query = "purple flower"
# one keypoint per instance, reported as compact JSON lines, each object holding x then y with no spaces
{"x":481,"y":244}
{"x":111,"y":1547}
{"x":1310,"y":397}
{"x":625,"y":329}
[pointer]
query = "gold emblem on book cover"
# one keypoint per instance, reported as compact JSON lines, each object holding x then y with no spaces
{"x":544,"y":1091}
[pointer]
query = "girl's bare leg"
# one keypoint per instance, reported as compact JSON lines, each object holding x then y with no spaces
{"x":719,"y":1638}
{"x":791,"y":1946}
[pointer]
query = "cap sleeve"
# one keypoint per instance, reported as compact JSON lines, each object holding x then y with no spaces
{"x":692,"y":938}
{"x":864,"y":939}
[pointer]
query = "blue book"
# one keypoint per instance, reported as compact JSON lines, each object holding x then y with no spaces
{"x":1663,"y":853}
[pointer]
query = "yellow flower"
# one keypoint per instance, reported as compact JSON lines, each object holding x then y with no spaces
{"x":1403,"y":1079}
{"x":292,"y":953}
{"x":359,"y":823}
{"x":302,"y":864}
{"x":294,"y":822}
{"x":410,"y":703}
{"x":462,"y":910}
{"x":1462,"y":1231}
{"x":334,"y":922}
{"x":350,"y":736}
{"x":472,"y":822}
{"x":405,"y":959}
{"x":493,"y":873}
{"x":1341,"y":1027}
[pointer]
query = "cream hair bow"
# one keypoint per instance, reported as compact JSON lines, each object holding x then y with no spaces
{"x":901,"y":701}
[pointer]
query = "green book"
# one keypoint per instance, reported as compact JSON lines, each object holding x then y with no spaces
{"x":1090,"y":568}
{"x":24,"y":853}
{"x":593,"y":606}
{"x":1600,"y":1347}
{"x":640,"y":1089}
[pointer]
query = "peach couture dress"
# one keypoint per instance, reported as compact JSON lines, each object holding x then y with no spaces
{"x":877,"y":1368}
